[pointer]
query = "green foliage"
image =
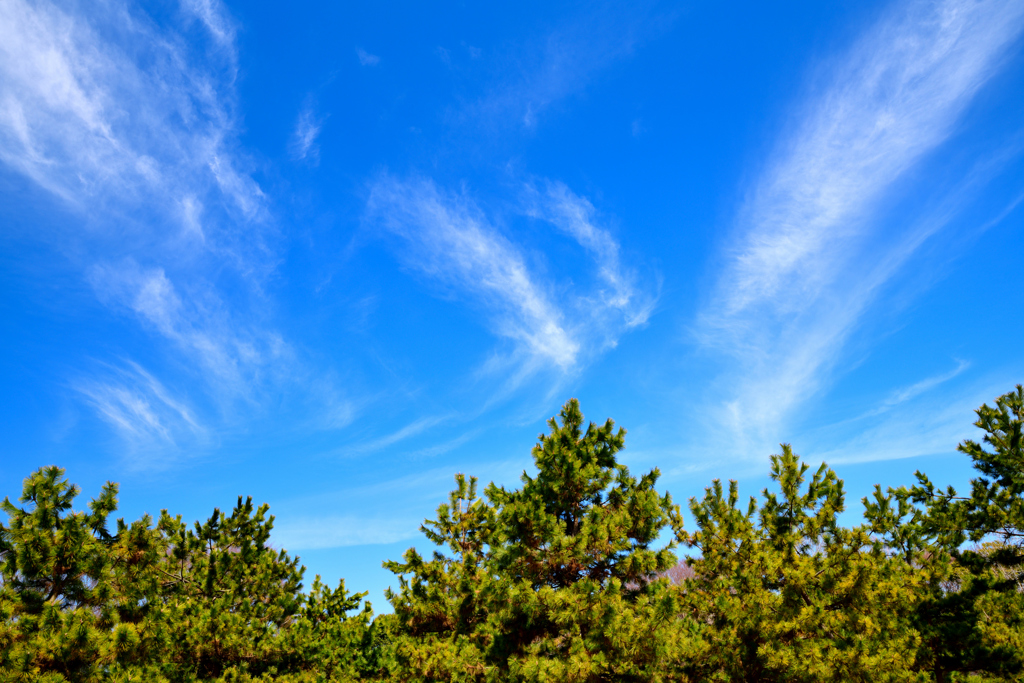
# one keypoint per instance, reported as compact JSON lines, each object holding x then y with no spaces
{"x":792,"y":595}
{"x":575,"y":552}
{"x":165,"y":602}
{"x":979,"y":626}
{"x":440,"y":630}
{"x":583,"y":517}
{"x":996,"y":503}
{"x":57,"y":580}
{"x":969,"y":603}
{"x":554,"y":581}
{"x":226,"y":594}
{"x":572,"y":576}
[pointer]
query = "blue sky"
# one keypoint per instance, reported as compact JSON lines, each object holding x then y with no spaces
{"x":330,"y":255}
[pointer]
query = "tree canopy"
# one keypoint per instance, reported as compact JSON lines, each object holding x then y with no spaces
{"x":575,"y":575}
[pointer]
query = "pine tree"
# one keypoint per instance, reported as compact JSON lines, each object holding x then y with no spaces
{"x":440,"y":629}
{"x":975,"y":623}
{"x":555,"y":581}
{"x":560,"y":579}
{"x":995,"y":506}
{"x":790,"y":594}
{"x":72,"y":593}
{"x":166,"y":602}
{"x":225,"y":592}
{"x":330,"y":639}
{"x":576,"y":549}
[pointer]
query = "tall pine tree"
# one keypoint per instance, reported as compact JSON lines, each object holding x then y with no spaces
{"x":554,"y":581}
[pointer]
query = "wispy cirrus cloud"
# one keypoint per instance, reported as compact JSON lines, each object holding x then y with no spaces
{"x":564,"y":61}
{"x":105,"y":108}
{"x":365,"y":58}
{"x":576,"y":217}
{"x":139,"y":407}
{"x":408,"y":431}
{"x":234,"y":366}
{"x":216,"y":19}
{"x":453,"y":242}
{"x":928,"y":417}
{"x":303,"y":145}
{"x":909,"y":393}
{"x":130,"y":121}
{"x":232,"y":354}
{"x":339,"y":531}
{"x":808,"y":261}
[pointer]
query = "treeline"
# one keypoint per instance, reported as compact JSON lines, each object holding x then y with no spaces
{"x":562,"y":579}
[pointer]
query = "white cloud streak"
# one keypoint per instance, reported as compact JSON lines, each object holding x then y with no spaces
{"x":563,"y":62}
{"x":103,"y":108}
{"x":911,"y":392}
{"x":303,"y":145}
{"x":231,"y":355}
{"x":337,"y":531}
{"x":454,"y":243}
{"x":925,"y":418}
{"x":139,"y":407}
{"x":895,"y":99}
{"x":575,"y":216}
{"x":216,"y":20}
{"x":365,"y":58}
{"x":802,"y":274}
{"x":131,"y":122}
{"x":408,"y":431}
